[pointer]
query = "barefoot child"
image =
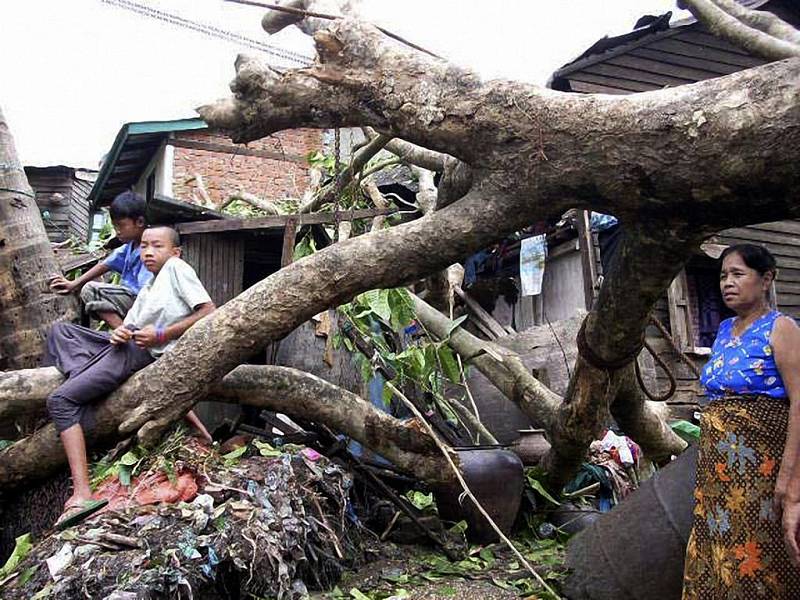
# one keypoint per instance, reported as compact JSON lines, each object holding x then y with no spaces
{"x":97,"y":363}
{"x":105,"y":301}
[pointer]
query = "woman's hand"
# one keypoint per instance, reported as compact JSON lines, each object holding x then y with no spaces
{"x":791,"y":529}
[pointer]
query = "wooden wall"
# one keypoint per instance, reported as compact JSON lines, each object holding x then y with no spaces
{"x":218,"y":259}
{"x":79,"y":212}
{"x":783,"y":240}
{"x":53,"y":189}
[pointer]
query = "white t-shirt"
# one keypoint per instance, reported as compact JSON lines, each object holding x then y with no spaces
{"x":170,"y":297}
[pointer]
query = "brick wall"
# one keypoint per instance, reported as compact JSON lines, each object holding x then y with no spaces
{"x":272,"y":168}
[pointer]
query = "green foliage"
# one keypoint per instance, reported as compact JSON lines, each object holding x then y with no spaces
{"x":421,"y":501}
{"x":22,"y":546}
{"x":305,"y":247}
{"x":533,"y":476}
{"x":688,"y":431}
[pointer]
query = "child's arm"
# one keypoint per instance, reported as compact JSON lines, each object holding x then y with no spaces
{"x":62,"y":285}
{"x":147,"y":336}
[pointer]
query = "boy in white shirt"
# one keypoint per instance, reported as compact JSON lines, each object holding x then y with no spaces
{"x":97,"y":363}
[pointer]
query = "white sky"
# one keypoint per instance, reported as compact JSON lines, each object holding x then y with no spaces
{"x":74,"y":71}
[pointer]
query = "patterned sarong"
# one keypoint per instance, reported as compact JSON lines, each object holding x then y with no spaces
{"x":736,"y":548}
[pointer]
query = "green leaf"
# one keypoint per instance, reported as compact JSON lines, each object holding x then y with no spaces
{"x":387,"y":396}
{"x":356,"y":593}
{"x":22,"y":546}
{"x":125,"y":475}
{"x":449,"y":363}
{"x":459,"y":527}
{"x":233,"y":456}
{"x":129,"y":459}
{"x":688,"y":431}
{"x":402,"y":308}
{"x":537,"y":485}
{"x":378,"y":302}
{"x":266,"y":449}
{"x":420,"y":500}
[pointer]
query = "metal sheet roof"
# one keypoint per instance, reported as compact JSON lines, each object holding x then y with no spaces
{"x":133,"y":149}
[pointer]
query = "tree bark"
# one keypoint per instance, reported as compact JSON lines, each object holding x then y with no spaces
{"x":27,"y":306}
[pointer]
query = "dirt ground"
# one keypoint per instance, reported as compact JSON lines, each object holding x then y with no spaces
{"x":420,"y":573}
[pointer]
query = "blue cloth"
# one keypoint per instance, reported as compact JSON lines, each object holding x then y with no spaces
{"x":744,"y":365}
{"x":126,"y":261}
{"x":601,"y":222}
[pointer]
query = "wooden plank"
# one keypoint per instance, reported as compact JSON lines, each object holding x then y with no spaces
{"x":641,"y":63}
{"x":279,"y":222}
{"x":238,"y":150}
{"x":497,"y":330}
{"x":289,"y":236}
{"x":789,"y":226}
{"x":593,"y":88}
{"x":703,"y":65}
{"x":588,"y":259}
{"x":679,"y":318}
{"x":628,"y":74}
{"x":686,"y":48}
{"x":711,"y":41}
{"x":612,"y":82}
{"x":747,"y":234}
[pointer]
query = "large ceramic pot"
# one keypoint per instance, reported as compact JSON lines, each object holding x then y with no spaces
{"x":495,"y":476}
{"x":530,"y":446}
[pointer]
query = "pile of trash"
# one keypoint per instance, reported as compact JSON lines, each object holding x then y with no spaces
{"x":191,"y":522}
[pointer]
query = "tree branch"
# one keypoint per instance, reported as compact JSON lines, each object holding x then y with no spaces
{"x":358,"y":162}
{"x":281,"y":389}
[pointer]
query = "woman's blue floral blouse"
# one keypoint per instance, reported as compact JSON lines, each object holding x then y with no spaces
{"x":744,"y":365}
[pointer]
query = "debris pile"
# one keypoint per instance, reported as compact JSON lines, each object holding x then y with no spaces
{"x":264,"y":523}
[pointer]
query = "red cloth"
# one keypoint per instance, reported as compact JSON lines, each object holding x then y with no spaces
{"x":154,"y":488}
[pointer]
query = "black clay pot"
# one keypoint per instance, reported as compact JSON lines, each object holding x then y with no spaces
{"x":495,"y":477}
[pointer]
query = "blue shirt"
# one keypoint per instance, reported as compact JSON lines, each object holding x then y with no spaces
{"x":126,"y":261}
{"x":744,"y":365}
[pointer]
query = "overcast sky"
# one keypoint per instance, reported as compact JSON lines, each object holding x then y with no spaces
{"x":74,"y":71}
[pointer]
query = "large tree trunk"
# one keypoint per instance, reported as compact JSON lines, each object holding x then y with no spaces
{"x":675,"y":165}
{"x":27,"y":307}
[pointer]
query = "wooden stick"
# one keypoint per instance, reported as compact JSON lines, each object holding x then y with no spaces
{"x":446,"y":452}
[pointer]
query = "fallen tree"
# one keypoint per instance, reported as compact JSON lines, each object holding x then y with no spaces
{"x":674,"y":165}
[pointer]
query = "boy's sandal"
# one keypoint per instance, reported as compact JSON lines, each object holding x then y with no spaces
{"x":77,"y":513}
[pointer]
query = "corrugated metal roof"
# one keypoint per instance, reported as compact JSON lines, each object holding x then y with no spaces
{"x":131,"y":152}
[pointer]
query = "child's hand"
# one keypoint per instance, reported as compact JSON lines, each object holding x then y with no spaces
{"x":121,"y":335}
{"x":61,"y":285}
{"x":146,"y":337}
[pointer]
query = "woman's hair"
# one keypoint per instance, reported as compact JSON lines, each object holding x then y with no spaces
{"x":756,"y":257}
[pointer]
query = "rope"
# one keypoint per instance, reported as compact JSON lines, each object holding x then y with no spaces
{"x":673,"y":384}
{"x":600,"y":363}
{"x":596,"y":360}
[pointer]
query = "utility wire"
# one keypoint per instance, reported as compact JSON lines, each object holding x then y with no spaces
{"x":210,"y":30}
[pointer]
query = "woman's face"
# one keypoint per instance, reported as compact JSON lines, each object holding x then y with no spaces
{"x":742,"y":287}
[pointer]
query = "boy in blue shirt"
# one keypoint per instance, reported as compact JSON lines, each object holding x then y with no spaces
{"x":105,"y":301}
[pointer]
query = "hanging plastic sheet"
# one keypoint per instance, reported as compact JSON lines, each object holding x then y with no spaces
{"x":532,"y":254}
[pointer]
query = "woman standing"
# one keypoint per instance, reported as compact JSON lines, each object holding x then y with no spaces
{"x":744,"y":543}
